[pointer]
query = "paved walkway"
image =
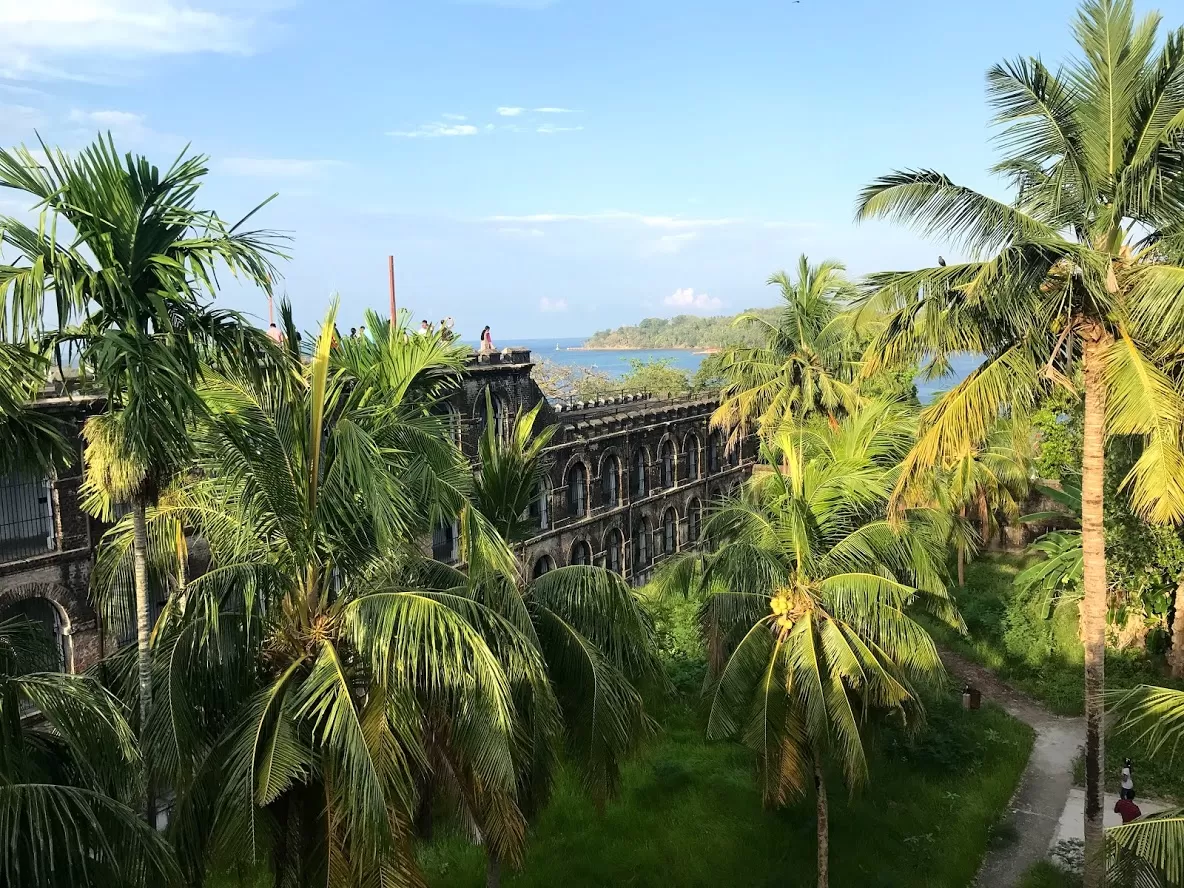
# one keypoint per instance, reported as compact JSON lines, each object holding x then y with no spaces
{"x":1041,"y":798}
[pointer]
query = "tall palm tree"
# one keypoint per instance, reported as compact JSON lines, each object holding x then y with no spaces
{"x":987,"y":482}
{"x":806,"y":587}
{"x":29,"y":438}
{"x":592,"y":636}
{"x":128,"y":285}
{"x":1081,"y":271}
{"x":68,"y":771}
{"x":809,"y":361}
{"x":300,"y":676}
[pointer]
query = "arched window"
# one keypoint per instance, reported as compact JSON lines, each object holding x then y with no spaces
{"x":714,"y":446}
{"x":666,"y":462}
{"x":577,"y":490}
{"x":669,"y":532}
{"x":692,"y":447}
{"x":540,"y":506}
{"x":500,"y":414}
{"x":640,"y":487}
{"x":48,"y":616}
{"x":614,"y":546}
{"x":694,"y":518}
{"x":641,"y":546}
{"x":445,"y":539}
{"x":610,"y":481}
{"x":451,"y":417}
{"x":581,"y":553}
{"x":543,"y":565}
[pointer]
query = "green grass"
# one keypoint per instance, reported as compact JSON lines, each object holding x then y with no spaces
{"x":1046,"y":875}
{"x":690,"y":815}
{"x":1009,"y":635}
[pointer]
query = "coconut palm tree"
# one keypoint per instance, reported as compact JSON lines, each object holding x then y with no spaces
{"x":586,"y":623}
{"x":301,"y":672}
{"x":987,"y":482}
{"x":128,"y":285}
{"x":68,"y":771}
{"x":806,"y":588}
{"x":29,"y":438}
{"x":1150,"y":850}
{"x":1081,"y":271}
{"x":809,"y":361}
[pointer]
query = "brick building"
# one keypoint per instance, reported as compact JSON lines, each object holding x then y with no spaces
{"x":627,"y":482}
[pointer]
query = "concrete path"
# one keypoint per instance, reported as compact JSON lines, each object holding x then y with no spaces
{"x":1072,"y":823}
{"x":1039,"y":801}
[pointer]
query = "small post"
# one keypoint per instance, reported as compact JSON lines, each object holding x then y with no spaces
{"x":390,"y":262}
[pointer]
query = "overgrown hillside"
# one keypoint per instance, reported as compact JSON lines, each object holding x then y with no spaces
{"x":684,"y":331}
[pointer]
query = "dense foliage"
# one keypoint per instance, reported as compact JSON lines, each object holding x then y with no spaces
{"x":683,"y":331}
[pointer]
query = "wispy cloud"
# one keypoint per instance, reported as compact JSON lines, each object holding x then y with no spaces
{"x":546,"y":304}
{"x":65,"y":39}
{"x":436,"y":130}
{"x":514,"y":231}
{"x":276,"y":167}
{"x":454,"y":117}
{"x":617,"y":216}
{"x":687,"y":298}
{"x":509,"y":111}
{"x":553,"y":110}
{"x":548,"y":129}
{"x":123,"y":124}
{"x":669,"y":244}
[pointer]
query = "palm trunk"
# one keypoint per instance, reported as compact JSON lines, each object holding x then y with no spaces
{"x":493,"y":869}
{"x":823,"y":815}
{"x":1093,"y":604}
{"x":1177,"y":655}
{"x":143,"y":632}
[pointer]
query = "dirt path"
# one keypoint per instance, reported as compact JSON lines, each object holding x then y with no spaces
{"x":1044,"y":788}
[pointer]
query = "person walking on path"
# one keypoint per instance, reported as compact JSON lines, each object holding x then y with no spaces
{"x":1128,"y":780}
{"x":1127,"y":809}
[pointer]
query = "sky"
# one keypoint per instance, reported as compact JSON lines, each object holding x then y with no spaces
{"x":547,"y":167}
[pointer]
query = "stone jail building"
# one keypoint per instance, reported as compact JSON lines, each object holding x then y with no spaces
{"x":627,"y":481}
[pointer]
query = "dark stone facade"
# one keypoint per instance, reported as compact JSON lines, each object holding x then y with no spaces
{"x":53,"y":586}
{"x":628,"y":480}
{"x":667,"y":463}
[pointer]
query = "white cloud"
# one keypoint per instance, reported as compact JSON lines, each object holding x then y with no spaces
{"x":513,"y":231}
{"x":670,"y":244}
{"x":453,"y":116}
{"x":687,"y":298}
{"x":546,"y":304}
{"x":553,"y":110}
{"x":435,"y":130}
{"x":507,"y":111}
{"x":276,"y":167}
{"x":43,"y":39}
{"x":618,"y":216}
{"x":548,"y":129}
{"x":122,"y":124}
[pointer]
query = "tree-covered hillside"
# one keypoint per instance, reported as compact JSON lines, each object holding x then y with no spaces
{"x":684,"y":331}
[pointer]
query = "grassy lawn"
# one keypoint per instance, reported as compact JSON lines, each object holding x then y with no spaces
{"x":1043,"y":657}
{"x":689,"y":815}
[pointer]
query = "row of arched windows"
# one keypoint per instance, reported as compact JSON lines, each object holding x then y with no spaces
{"x":646,"y":544}
{"x":613,"y":480}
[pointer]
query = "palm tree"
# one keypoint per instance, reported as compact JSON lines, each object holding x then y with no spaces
{"x":301,"y":675}
{"x":808,"y":362}
{"x":29,"y":438}
{"x":986,"y":483}
{"x":594,"y":640}
{"x":1080,"y":271}
{"x":68,"y":770}
{"x":806,"y":587}
{"x":1150,"y":850}
{"x":128,"y":287}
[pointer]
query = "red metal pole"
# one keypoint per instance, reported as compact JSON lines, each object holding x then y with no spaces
{"x":390,"y":261}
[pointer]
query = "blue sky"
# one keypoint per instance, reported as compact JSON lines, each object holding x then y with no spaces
{"x":548,"y":167}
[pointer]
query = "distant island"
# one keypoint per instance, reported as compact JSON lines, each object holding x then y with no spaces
{"x":685,"y":331}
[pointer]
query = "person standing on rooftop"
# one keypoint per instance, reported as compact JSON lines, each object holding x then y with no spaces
{"x":275,"y":333}
{"x":486,"y":340}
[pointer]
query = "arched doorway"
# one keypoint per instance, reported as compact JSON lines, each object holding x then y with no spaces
{"x":581,"y":554}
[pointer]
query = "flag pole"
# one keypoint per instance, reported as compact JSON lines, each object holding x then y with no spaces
{"x":390,"y":262}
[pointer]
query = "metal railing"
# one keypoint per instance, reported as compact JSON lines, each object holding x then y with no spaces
{"x":27,"y":527}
